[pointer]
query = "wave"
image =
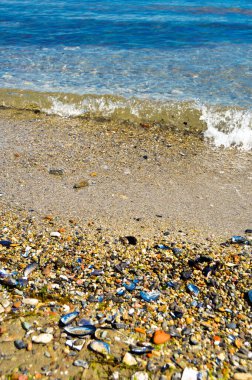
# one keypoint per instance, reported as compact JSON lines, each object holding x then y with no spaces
{"x":221,"y":126}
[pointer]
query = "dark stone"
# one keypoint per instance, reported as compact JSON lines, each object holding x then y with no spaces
{"x":20,"y":344}
{"x":186,"y":274}
{"x":56,"y":171}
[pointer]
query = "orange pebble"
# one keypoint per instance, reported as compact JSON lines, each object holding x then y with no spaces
{"x":17,"y":304}
{"x":140,"y":330}
{"x":216,"y":340}
{"x":61,"y":230}
{"x":160,"y":337}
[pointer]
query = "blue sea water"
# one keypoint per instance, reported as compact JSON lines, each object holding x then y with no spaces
{"x":160,"y":50}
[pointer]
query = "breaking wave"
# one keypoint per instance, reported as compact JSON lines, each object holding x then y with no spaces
{"x":221,"y":126}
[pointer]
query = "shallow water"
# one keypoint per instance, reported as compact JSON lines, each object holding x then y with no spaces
{"x":153,"y":51}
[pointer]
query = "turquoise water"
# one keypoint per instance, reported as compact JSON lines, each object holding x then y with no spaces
{"x":153,"y":49}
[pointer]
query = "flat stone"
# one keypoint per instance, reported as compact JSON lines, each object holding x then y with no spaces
{"x":42,"y":338}
{"x":129,"y":359}
{"x":30,"y":301}
{"x":81,"y":363}
{"x":56,"y":172}
{"x":2,"y":310}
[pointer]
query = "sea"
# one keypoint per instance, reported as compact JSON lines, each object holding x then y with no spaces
{"x":156,"y":61}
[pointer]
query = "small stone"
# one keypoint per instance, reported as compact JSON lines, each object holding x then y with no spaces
{"x":2,"y":310}
{"x":186,"y":275}
{"x":129,"y":359}
{"x":80,"y":184}
{"x":56,"y":172}
{"x":160,"y":337}
{"x":55,"y":234}
{"x":140,"y":376}
{"x":20,"y":344}
{"x":232,"y":326}
{"x":30,"y":301}
{"x":81,"y":363}
{"x":189,"y":374}
{"x":194,"y":340}
{"x":42,"y":338}
{"x":5,"y":303}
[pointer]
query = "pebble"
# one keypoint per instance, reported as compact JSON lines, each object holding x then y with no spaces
{"x":140,"y":376}
{"x":80,"y":184}
{"x":59,"y":172}
{"x":81,"y":363}
{"x":30,"y":301}
{"x":160,"y":337}
{"x":189,"y":374}
{"x":42,"y":338}
{"x":55,"y":234}
{"x":129,"y":359}
{"x":158,"y":304}
{"x":20,"y":344}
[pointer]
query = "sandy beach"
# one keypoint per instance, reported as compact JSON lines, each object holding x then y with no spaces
{"x":105,"y":181}
{"x":138,"y":176}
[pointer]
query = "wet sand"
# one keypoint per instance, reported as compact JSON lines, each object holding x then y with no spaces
{"x":140,"y":177}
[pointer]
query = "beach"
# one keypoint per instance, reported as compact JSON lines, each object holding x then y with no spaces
{"x":130,"y":225}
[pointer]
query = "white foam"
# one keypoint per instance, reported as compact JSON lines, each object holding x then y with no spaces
{"x":228,"y":128}
{"x":63,"y":109}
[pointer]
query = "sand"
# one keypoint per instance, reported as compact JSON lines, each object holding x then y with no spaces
{"x":140,"y":177}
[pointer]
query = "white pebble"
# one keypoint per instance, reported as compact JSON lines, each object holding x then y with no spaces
{"x":30,"y":301}
{"x":140,"y":376}
{"x":55,"y":234}
{"x":189,"y":374}
{"x":129,"y":359}
{"x":42,"y":338}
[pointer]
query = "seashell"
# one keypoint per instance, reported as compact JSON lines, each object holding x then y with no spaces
{"x":250,"y":296}
{"x":9,"y":281}
{"x":29,"y":269}
{"x":76,"y":344}
{"x":238,"y":240}
{"x":84,"y":322}
{"x":120,"y":291}
{"x":80,"y":330}
{"x":149,"y":296}
{"x":100,"y":347}
{"x":141,"y":350}
{"x":130,"y":287}
{"x":193,"y":289}
{"x":68,"y":318}
{"x":97,"y":272}
{"x":5,"y":243}
{"x":162,"y":246}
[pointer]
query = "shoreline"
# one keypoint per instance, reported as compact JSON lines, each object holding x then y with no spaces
{"x":135,"y":174}
{"x":87,"y":208}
